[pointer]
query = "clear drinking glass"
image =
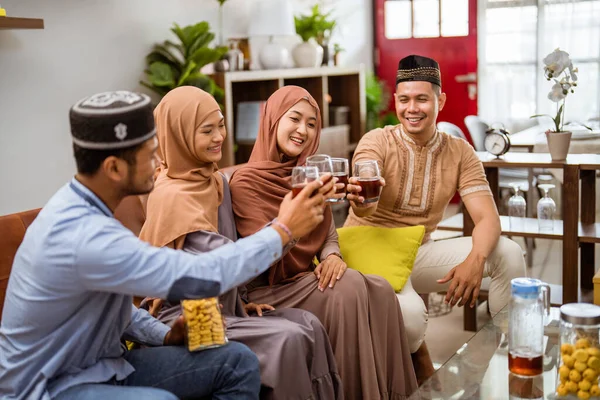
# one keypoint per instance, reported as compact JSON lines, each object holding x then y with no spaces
{"x":340,"y":171}
{"x":301,"y":176}
{"x":323,"y":164}
{"x":517,"y":208}
{"x":369,"y":180}
{"x":546,"y":207}
{"x":528,"y":306}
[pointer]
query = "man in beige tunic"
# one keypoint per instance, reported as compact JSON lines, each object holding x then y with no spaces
{"x":423,"y":168}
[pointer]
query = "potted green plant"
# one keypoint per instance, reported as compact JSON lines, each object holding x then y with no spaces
{"x":171,"y":64}
{"x":337,"y":50}
{"x":378,"y":97}
{"x":559,"y":68}
{"x":315,"y":30}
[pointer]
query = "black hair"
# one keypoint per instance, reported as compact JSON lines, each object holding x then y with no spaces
{"x":89,"y":161}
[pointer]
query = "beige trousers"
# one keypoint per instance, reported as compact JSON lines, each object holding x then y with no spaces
{"x":435,"y":259}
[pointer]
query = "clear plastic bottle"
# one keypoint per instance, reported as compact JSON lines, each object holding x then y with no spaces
{"x":529,"y":305}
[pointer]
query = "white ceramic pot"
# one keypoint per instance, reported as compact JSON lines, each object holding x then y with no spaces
{"x":307,"y":55}
{"x":558,"y":144}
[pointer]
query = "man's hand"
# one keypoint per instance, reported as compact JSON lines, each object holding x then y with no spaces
{"x":329,"y":271}
{"x":304,"y":212}
{"x":154,"y":306}
{"x":175,"y":336}
{"x":466,"y":281}
{"x":257,"y":308}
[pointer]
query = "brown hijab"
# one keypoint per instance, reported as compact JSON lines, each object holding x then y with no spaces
{"x":258,"y":189}
{"x":187,"y":192}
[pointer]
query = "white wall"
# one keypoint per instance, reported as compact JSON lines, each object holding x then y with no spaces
{"x":89,"y":46}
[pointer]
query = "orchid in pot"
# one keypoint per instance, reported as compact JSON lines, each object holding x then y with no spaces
{"x":558,"y":67}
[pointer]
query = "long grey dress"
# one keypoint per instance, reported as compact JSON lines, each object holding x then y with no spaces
{"x":292,"y":346}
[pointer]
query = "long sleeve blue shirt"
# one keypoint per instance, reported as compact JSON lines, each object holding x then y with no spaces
{"x":69,"y":296}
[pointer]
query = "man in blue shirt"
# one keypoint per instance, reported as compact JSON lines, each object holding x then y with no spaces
{"x":69,"y":297}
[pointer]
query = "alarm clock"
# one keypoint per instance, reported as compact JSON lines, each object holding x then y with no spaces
{"x":496,"y":141}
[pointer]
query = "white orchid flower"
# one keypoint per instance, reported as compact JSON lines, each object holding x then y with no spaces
{"x":557,"y":61}
{"x":557,"y":93}
{"x":573,"y":72}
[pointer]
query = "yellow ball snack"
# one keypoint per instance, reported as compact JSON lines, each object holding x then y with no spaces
{"x":563,"y":371}
{"x":580,"y":366}
{"x":581,"y":355}
{"x":595,"y":390}
{"x":583,"y":395}
{"x":566,"y":348}
{"x":572,"y":387}
{"x":575,"y":376}
{"x":590,"y":375}
{"x":585,"y":385}
{"x":593,"y":352}
{"x":204,"y":324}
{"x":562,"y":390}
{"x":594,"y":362}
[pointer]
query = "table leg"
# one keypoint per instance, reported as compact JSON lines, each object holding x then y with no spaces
{"x":570,"y":202}
{"x":588,"y":216}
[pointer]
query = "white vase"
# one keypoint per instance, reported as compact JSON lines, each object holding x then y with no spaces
{"x":558,"y":144}
{"x":307,"y":55}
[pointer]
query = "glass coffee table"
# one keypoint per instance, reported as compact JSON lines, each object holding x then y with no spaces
{"x":479,"y":369}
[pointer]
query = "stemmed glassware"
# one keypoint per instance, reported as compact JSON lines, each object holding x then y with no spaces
{"x":517,"y":208}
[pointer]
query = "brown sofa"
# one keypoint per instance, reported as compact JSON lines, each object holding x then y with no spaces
{"x":13,"y":227}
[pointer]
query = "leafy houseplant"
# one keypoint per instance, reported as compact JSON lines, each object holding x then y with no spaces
{"x":378,"y":97}
{"x":559,"y":68}
{"x":170,"y":64}
{"x":315,"y":25}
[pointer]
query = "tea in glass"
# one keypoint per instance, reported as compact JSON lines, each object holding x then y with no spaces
{"x":340,"y":171}
{"x":369,"y":180}
{"x":301,"y":176}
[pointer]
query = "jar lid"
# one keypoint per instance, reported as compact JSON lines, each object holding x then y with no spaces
{"x":525,"y":286}
{"x":580,"y":313}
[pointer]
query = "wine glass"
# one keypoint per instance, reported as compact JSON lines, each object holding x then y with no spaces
{"x":340,"y":171}
{"x":516,"y":209}
{"x":324,"y":165}
{"x":301,"y":176}
{"x":546,"y":207}
{"x":369,"y":180}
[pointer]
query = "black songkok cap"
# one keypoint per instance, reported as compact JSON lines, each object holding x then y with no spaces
{"x":112,"y":120}
{"x":418,"y":68}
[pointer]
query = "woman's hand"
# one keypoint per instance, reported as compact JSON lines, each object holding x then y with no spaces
{"x":329,"y":271}
{"x":257,"y":308}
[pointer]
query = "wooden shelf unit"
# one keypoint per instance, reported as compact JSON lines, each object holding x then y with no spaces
{"x":579,"y":234}
{"x":330,"y":86}
{"x":21,"y":23}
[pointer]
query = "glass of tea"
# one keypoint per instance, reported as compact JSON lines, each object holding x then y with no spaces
{"x":301,"y":176}
{"x":340,"y":171}
{"x":324,"y":165}
{"x":369,"y":180}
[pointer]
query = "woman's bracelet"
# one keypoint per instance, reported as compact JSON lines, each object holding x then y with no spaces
{"x":284,"y":228}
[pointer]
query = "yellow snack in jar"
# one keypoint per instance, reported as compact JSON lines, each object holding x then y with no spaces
{"x":594,"y":362}
{"x":572,"y":387}
{"x":562,"y":390}
{"x":583,"y":395}
{"x":590,"y":375}
{"x":204,"y":323}
{"x":585,"y":385}
{"x":568,"y":360}
{"x":595,"y":390}
{"x":580,"y":366}
{"x":580,"y":355}
{"x":566,"y":348}
{"x":582,"y":343}
{"x":574,"y":376}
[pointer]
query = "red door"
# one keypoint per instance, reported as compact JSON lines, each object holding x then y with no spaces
{"x":445,"y":30}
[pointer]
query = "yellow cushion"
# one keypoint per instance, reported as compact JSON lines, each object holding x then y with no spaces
{"x":387,"y":252}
